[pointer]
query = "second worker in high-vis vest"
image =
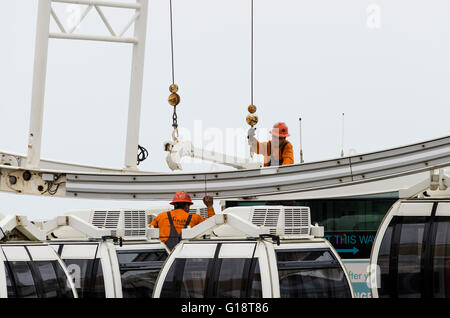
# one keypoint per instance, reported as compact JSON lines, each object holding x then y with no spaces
{"x":171,"y":223}
{"x":278,"y":151}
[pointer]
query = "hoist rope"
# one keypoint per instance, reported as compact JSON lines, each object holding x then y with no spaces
{"x":175,"y":133}
{"x":252,"y":53}
{"x":171,"y":43}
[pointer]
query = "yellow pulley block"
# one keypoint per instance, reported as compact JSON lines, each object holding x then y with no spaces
{"x":252,"y":119}
{"x":173,"y":88}
{"x":174,"y":99}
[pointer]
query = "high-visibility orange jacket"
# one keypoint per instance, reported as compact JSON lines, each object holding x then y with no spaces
{"x":265,"y":148}
{"x":179,"y":217}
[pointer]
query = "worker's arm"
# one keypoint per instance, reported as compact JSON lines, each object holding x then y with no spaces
{"x":209,"y":202}
{"x":155,"y":222}
{"x":261,"y":148}
{"x":255,"y":145}
{"x":288,"y":155}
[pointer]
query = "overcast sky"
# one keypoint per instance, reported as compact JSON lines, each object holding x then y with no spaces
{"x":384,"y":63}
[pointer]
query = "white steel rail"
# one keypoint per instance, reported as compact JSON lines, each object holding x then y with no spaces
{"x":408,"y":160}
{"x":43,"y":34}
{"x":267,"y":181}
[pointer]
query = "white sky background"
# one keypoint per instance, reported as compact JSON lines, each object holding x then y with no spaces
{"x":314,"y":59}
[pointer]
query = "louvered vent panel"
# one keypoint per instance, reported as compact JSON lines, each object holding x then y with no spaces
{"x":267,"y":217}
{"x":135,"y":223}
{"x":106,"y":220}
{"x":297,"y":221}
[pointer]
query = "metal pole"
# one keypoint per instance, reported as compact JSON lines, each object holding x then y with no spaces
{"x":39,"y":81}
{"x":301,"y":144}
{"x":342,"y":148}
{"x":137,"y":77}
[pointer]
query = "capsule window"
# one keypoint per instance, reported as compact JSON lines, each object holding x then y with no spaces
{"x":217,"y":277}
{"x":409,"y":279}
{"x":87,"y":275}
{"x":414,"y":257}
{"x":441,"y":259}
{"x":311,"y":274}
{"x":384,"y":262}
{"x":139,"y":271}
{"x":23,"y":284}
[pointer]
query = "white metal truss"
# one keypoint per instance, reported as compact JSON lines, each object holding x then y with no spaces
{"x":234,"y":221}
{"x":35,"y":232}
{"x":43,"y":34}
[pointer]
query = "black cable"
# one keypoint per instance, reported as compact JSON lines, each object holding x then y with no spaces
{"x":142,"y":155}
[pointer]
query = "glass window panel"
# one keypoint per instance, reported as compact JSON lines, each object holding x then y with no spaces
{"x":409,"y":283}
{"x":63,"y":279}
{"x":441,"y":259}
{"x":99,"y":284}
{"x":186,"y":278}
{"x":305,"y":256}
{"x":49,"y":280}
{"x":169,"y":289}
{"x":125,"y":257}
{"x":139,"y":271}
{"x":88,"y":277}
{"x":10,"y":286}
{"x":233,"y":276}
{"x":313,"y":283}
{"x":256,"y":290}
{"x":384,"y":262}
{"x":194,"y":278}
{"x":24,"y":279}
{"x":138,"y":283}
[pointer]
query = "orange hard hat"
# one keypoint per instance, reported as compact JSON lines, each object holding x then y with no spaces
{"x":181,"y":197}
{"x":280,"y":130}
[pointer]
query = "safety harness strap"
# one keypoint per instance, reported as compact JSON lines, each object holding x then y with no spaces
{"x":272,"y":159}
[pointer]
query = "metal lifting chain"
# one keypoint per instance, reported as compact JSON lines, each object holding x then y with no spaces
{"x":174,"y":98}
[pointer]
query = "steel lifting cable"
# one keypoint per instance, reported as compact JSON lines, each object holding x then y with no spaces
{"x":252,"y":118}
{"x":174,"y":98}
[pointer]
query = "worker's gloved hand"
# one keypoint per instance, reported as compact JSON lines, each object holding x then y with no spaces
{"x":251,"y":136}
{"x":208,"y":201}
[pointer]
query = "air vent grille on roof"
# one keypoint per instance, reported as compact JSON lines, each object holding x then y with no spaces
{"x":267,"y":217}
{"x":135,"y":223}
{"x":297,"y":220}
{"x":106,"y":220}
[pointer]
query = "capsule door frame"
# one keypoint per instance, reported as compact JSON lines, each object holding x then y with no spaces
{"x":3,"y":287}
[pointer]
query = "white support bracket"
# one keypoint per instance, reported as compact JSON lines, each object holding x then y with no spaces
{"x":76,"y":223}
{"x":439,"y":180}
{"x":43,"y":34}
{"x":234,"y":221}
{"x":179,"y":149}
{"x":21,"y":224}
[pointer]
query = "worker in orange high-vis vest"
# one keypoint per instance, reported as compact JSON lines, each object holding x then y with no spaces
{"x":171,"y":223}
{"x":278,"y":151}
